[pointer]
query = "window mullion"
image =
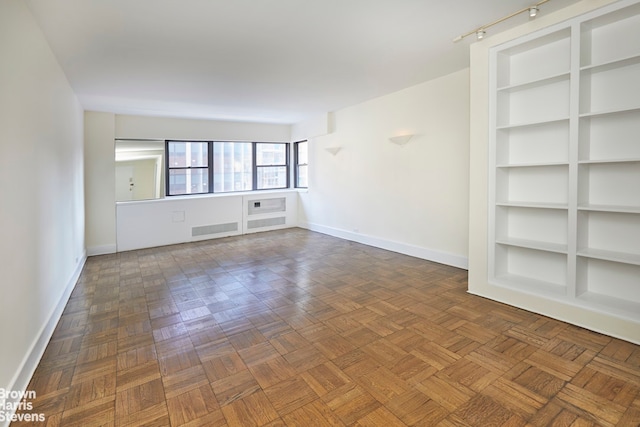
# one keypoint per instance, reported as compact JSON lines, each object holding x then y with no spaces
{"x":254,"y":159}
{"x":211,"y":165}
{"x":287,"y":163}
{"x":166,"y":165}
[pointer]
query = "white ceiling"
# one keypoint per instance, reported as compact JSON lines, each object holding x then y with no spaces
{"x":277,"y":61}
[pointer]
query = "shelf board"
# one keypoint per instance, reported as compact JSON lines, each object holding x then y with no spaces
{"x":621,"y":306}
{"x":530,"y":165}
{"x":538,"y":287}
{"x":533,"y":123}
{"x":610,"y":65}
{"x":615,"y":256}
{"x":534,"y":244}
{"x":535,"y":83}
{"x":608,"y":208}
{"x":534,"y":205}
{"x":600,"y":161}
{"x":609,"y":112}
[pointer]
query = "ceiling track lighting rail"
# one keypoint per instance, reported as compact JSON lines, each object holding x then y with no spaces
{"x":480,"y":32}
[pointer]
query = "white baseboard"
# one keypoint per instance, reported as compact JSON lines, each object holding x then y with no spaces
{"x":403,"y":248}
{"x":101,"y":250}
{"x":20,"y":381}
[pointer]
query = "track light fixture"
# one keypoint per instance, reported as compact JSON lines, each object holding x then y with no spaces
{"x":481,"y":31}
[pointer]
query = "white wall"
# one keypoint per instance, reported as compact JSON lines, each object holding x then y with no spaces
{"x":101,"y":129}
{"x":100,"y":178}
{"x":149,"y":223}
{"x":41,"y":183}
{"x":141,"y":127}
{"x":411,"y":199}
{"x":478,"y":215}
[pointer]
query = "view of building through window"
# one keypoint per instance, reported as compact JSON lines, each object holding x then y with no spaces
{"x":271,"y":166}
{"x":219,"y":167}
{"x":302,"y":164}
{"x":188,"y":164}
{"x":232,"y":166}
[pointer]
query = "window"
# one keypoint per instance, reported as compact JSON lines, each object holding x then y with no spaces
{"x":272,"y":169}
{"x":301,"y":154}
{"x":232,"y":166}
{"x":195,"y":167}
{"x":188,"y":167}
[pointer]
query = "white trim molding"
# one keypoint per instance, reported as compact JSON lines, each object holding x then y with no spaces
{"x":402,"y":248}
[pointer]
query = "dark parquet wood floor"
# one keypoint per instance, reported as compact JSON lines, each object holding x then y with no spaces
{"x":295,"y":328}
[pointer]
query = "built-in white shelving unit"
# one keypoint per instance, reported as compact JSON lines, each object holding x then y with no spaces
{"x":565,"y":162}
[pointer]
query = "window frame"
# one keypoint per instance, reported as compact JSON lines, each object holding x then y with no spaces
{"x":297,"y":164}
{"x":211,"y":166}
{"x":168,"y":167}
{"x":286,"y":165}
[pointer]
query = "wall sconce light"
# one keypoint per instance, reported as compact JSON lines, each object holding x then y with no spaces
{"x":533,"y":11}
{"x":480,"y":34}
{"x":401,"y":139}
{"x":333,"y":150}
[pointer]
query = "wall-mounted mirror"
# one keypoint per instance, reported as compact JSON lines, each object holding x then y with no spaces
{"x":139,"y":169}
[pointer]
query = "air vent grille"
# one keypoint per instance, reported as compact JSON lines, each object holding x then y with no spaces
{"x":267,"y":222}
{"x":263,"y":206}
{"x":204,"y":230}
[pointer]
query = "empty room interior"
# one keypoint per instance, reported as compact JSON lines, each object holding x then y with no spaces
{"x":320,"y":213}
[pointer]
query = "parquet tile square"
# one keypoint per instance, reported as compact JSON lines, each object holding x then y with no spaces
{"x":536,"y":380}
{"x":173,"y":330}
{"x":334,"y":346}
{"x":96,"y":388}
{"x":351,"y":403}
{"x":622,"y":351}
{"x":383,"y":384}
{"x":272,"y":371}
{"x":97,"y":413}
{"x":179,"y":361}
{"x":136,"y":356}
{"x":234,"y":387}
{"x":141,"y":404}
{"x":286,"y":341}
{"x":290,"y":394}
{"x":484,"y":411}
{"x":446,"y":392}
{"x":459,"y":344}
{"x":470,"y":374}
{"x":135,"y":342}
{"x":252,"y":410}
{"x":138,"y":374}
{"x":192,"y":405}
{"x":517,"y":399}
{"x":98,"y":368}
{"x":380,"y":417}
{"x":221,"y":367}
{"x":356,"y":363}
{"x":258,"y":353}
{"x":296,"y":328}
{"x":51,"y":380}
{"x":316,"y":414}
{"x":305,"y":358}
{"x":590,"y":405}
{"x":435,"y":355}
{"x":184,"y":380}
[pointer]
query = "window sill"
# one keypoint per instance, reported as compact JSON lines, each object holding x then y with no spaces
{"x":214,"y":195}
